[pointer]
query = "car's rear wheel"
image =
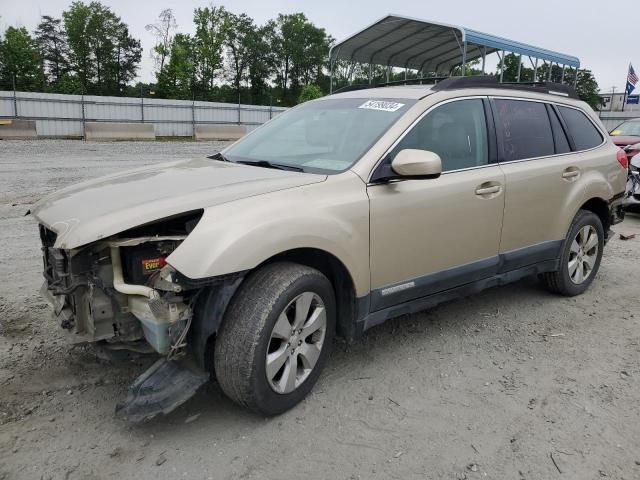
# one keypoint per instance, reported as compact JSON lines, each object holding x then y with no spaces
{"x":580,"y":257}
{"x":275,"y":337}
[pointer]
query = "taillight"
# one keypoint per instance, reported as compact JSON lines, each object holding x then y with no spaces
{"x":622,"y":159}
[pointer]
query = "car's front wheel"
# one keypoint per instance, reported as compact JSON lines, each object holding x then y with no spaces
{"x":580,"y":257}
{"x":275,"y":337}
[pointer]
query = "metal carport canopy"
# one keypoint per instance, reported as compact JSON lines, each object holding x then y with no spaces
{"x":427,"y":46}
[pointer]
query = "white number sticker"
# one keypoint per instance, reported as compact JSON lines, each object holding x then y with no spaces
{"x":382,"y":105}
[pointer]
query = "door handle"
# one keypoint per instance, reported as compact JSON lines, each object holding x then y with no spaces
{"x":488,"y":190}
{"x":571,"y":172}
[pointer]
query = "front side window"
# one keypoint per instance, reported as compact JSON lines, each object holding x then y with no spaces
{"x":524,"y":129}
{"x":584,"y":133}
{"x":457,"y":131}
{"x":325,"y":136}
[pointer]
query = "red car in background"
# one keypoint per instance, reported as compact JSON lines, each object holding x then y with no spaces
{"x":627,"y":136}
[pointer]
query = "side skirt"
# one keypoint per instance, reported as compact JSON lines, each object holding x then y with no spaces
{"x":376,"y":318}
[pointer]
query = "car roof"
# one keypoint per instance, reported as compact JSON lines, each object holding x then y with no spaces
{"x":417,"y":92}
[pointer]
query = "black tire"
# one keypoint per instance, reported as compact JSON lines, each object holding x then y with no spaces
{"x":244,"y":338}
{"x":560,"y":281}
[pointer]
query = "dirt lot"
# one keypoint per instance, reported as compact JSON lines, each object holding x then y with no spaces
{"x":514,"y":383}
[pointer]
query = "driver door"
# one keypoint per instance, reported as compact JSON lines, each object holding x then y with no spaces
{"x":432,"y":235}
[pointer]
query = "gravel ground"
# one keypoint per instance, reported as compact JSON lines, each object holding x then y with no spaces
{"x":514,"y":383}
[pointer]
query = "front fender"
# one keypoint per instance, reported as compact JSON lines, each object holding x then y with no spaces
{"x":331,"y":216}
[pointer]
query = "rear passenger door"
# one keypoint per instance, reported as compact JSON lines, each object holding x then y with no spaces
{"x":541,"y":176}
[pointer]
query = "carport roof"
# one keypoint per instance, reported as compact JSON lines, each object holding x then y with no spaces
{"x":427,"y":46}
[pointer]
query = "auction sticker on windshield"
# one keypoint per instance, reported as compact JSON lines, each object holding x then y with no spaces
{"x":381,"y":105}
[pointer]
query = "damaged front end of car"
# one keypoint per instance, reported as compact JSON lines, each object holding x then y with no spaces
{"x":120,"y":293}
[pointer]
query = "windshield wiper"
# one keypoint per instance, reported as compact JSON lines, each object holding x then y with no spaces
{"x":267,"y":164}
{"x":218,"y":156}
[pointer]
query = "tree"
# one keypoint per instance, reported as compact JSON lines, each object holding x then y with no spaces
{"x":162,"y":30}
{"x":587,"y":87}
{"x":240,"y":40}
{"x":101,"y":51}
{"x":260,"y":65}
{"x":76,"y":21}
{"x":177,"y":77}
{"x":20,"y":61}
{"x":211,"y":30}
{"x":310,"y":92}
{"x":300,"y":49}
{"x":52,"y":43}
{"x":128,"y":55}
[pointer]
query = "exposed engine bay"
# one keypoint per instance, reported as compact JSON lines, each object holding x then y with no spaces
{"x":121,"y":294}
{"x":121,"y":290}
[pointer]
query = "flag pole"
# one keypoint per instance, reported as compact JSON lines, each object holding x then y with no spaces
{"x":626,"y":88}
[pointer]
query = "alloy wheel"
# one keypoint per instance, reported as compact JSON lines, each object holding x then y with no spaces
{"x":583,"y":254}
{"x":296,"y":342}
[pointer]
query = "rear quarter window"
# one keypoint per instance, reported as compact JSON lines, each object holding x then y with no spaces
{"x":584,"y":133}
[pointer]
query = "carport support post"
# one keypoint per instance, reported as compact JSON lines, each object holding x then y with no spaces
{"x":502,"y":66}
{"x":519,"y":67}
{"x":484,"y":58}
{"x":535,"y":71}
{"x":562,"y":77}
{"x":549,"y":72}
{"x":464,"y":57}
{"x":575,"y":82}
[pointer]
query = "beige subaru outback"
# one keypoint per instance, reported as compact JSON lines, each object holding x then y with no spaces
{"x":328,"y":220}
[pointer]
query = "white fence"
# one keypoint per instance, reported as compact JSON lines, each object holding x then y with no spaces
{"x":59,"y":115}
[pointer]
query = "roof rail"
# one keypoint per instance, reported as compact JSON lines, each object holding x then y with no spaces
{"x":408,"y":81}
{"x":490,"y":81}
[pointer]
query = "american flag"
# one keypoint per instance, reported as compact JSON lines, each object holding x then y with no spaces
{"x":632,"y":79}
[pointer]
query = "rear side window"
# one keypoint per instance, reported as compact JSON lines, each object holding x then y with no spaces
{"x":524,"y":129}
{"x":585,"y":134}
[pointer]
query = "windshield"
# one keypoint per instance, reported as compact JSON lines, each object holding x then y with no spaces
{"x":627,"y":128}
{"x":326,"y":136}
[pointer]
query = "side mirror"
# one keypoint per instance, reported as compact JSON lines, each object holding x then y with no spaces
{"x":417,"y":164}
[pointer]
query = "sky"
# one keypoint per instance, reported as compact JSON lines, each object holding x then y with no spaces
{"x":576,"y":27}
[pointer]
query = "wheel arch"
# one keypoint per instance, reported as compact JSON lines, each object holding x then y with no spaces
{"x":213,"y":301}
{"x":337,"y":273}
{"x":600,"y":207}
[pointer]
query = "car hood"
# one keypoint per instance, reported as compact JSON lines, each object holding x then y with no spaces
{"x":624,"y":140}
{"x":92,"y":210}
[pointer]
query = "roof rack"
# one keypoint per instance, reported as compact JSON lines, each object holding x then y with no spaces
{"x":490,"y":81}
{"x":478,"y":81}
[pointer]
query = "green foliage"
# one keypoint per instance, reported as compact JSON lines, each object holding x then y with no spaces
{"x":52,"y":43}
{"x":177,"y":77}
{"x":20,"y":60}
{"x":310,"y":92}
{"x":101,"y":52}
{"x":212,"y":25}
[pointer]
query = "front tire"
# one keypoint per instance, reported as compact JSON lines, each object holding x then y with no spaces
{"x":276,"y":337}
{"x":580,"y":257}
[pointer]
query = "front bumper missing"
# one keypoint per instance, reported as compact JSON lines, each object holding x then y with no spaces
{"x":165,"y":386}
